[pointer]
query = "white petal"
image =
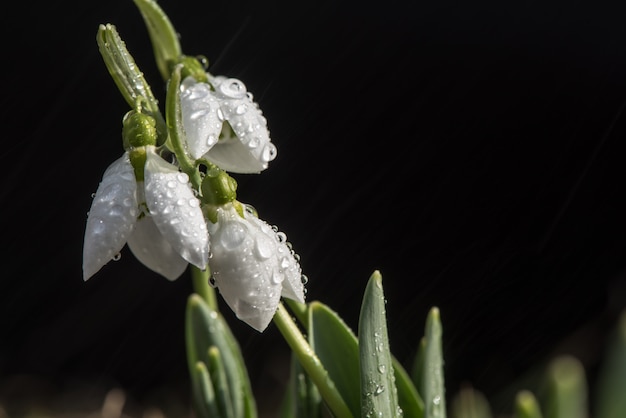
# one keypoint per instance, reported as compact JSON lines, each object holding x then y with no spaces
{"x":153,"y":250}
{"x":112,"y":216}
{"x":245,"y":268}
{"x":201,"y":121}
{"x":175,"y":210}
{"x":289,"y":270}
{"x":252,"y":149}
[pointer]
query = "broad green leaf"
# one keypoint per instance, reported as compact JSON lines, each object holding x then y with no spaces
{"x":311,"y":363}
{"x":379,"y":397}
{"x":433,"y":386}
{"x":567,"y":389}
{"x":337,"y":348}
{"x":206,"y":328}
{"x":611,"y":395}
{"x":526,"y":405}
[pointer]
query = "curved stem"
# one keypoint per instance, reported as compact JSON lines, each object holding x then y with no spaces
{"x":310,"y":363}
{"x":200,"y":279}
{"x":175,"y":129}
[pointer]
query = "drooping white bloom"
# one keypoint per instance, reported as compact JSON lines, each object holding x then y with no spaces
{"x":252,"y":266}
{"x":165,"y":237}
{"x":247,"y":147}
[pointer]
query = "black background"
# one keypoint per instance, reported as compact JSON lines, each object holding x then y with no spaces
{"x":470,"y":151}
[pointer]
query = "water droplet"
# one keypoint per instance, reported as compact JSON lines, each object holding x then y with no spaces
{"x":171,"y":184}
{"x":199,"y":114}
{"x":304,"y":279}
{"x":277,"y":277}
{"x":269,"y":152}
{"x":379,"y":389}
{"x":382,"y":368}
{"x":211,"y":140}
{"x":281,"y":237}
{"x":220,"y":115}
{"x":232,"y":235}
{"x":233,"y":88}
{"x":194,"y":203}
{"x":437,"y":400}
{"x":93,"y":195}
{"x":182,"y":177}
{"x":241,"y":109}
{"x":117,"y":257}
{"x":251,"y":210}
{"x":212,"y":282}
{"x":254,"y":142}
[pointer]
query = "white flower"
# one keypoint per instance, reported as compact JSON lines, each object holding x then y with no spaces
{"x":252,"y":266}
{"x":170,"y":234}
{"x":247,"y":148}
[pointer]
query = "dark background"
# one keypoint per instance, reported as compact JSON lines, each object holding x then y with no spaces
{"x":470,"y":151}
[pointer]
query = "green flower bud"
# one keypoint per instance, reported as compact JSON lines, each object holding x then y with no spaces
{"x":138,"y":130}
{"x":218,"y":188}
{"x":195,"y":68}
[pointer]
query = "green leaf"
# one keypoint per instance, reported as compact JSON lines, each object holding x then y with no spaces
{"x":311,"y":363}
{"x":206,"y":328}
{"x":567,"y":389}
{"x":611,"y":395}
{"x":379,"y":395}
{"x":417,"y":371}
{"x":470,"y":403}
{"x":526,"y":405}
{"x":203,"y":392}
{"x":433,"y":387}
{"x":302,"y":398}
{"x":167,"y":50}
{"x":408,"y":398}
{"x":222,"y":388}
{"x":128,"y":78}
{"x":337,"y":348}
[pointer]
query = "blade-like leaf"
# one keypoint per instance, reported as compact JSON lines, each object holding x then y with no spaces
{"x":128,"y":78}
{"x":337,"y":348}
{"x":204,"y":392}
{"x":470,"y":403}
{"x":164,"y":38}
{"x":206,"y":328}
{"x":526,"y":405}
{"x":433,"y":387}
{"x":567,"y":389}
{"x":379,"y":395}
{"x":611,"y":399}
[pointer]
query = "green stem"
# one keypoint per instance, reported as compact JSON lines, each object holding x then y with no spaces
{"x":300,"y":310}
{"x":175,"y":129}
{"x":200,"y":279}
{"x":310,"y":362}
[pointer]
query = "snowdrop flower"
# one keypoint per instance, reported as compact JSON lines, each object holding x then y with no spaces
{"x":252,"y":265}
{"x":152,"y":209}
{"x":242,"y":145}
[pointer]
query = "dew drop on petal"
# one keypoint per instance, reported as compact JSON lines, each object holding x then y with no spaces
{"x":232,"y":235}
{"x":269,"y":152}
